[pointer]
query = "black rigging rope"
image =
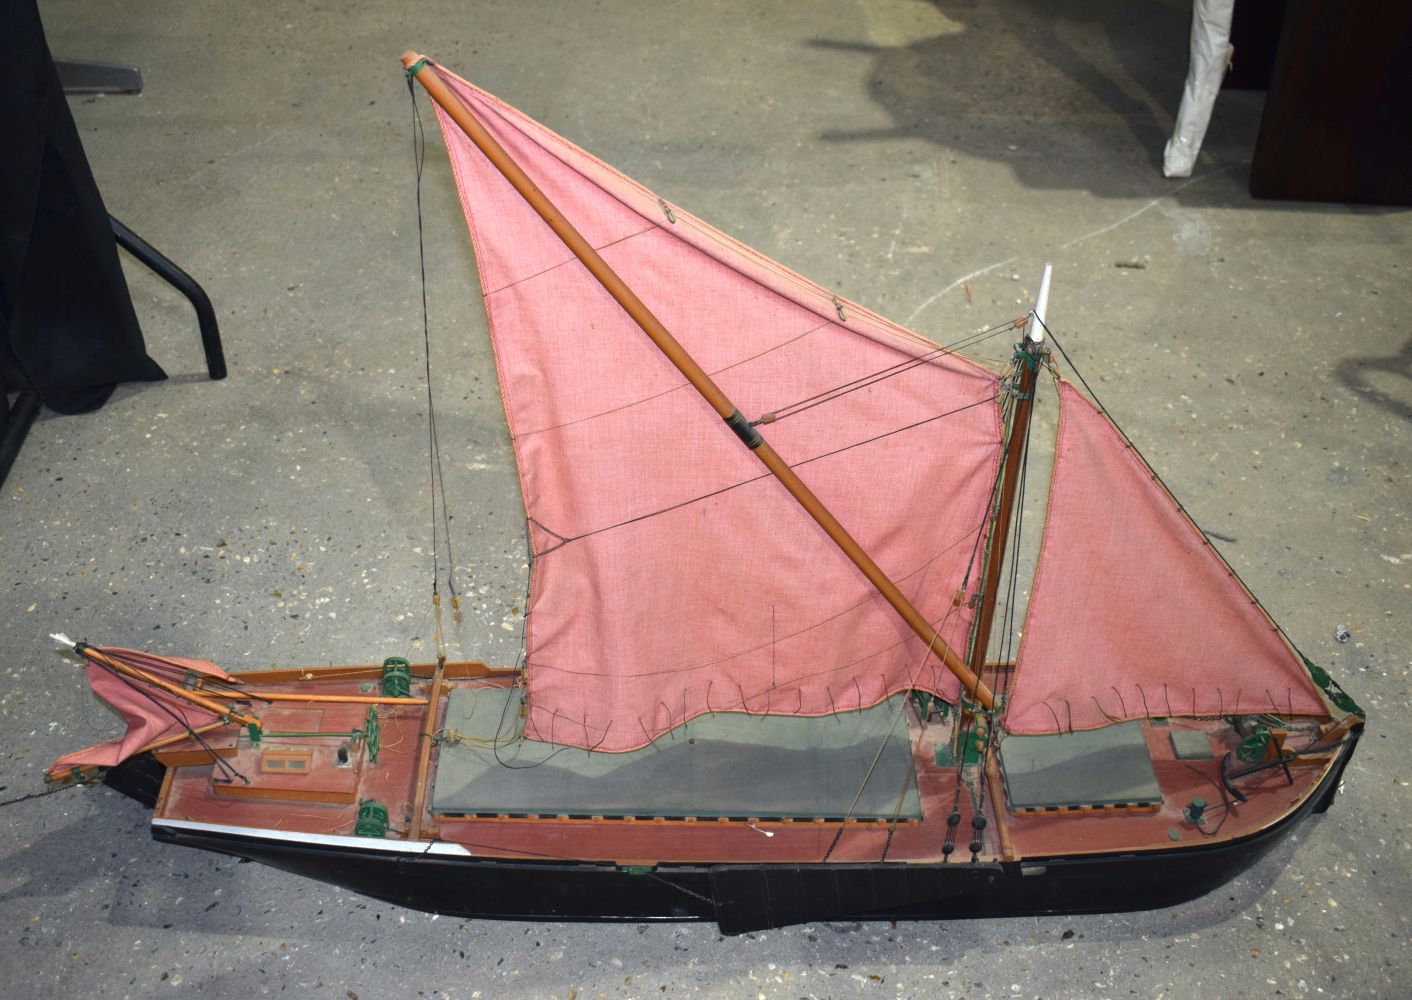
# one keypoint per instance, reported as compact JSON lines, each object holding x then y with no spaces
{"x":566,"y":539}
{"x":872,"y":378}
{"x":1009,"y":621}
{"x":438,"y":479}
{"x":40,"y":795}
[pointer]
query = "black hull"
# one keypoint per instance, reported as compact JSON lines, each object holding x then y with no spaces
{"x":742,"y":897}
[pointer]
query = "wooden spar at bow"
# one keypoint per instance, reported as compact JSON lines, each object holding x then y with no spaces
{"x":417,"y":66}
{"x":220,"y":711}
{"x":322,"y":699}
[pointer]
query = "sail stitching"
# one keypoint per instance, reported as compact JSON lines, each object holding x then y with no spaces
{"x":756,"y":479}
{"x":1207,"y":545}
{"x":866,"y":602}
{"x":1146,"y":470}
{"x":880,"y":375}
{"x":547,"y":138}
{"x":676,"y":388}
{"x":571,"y":259}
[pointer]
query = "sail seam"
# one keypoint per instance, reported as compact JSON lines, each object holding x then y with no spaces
{"x":571,"y":259}
{"x":864,"y":603}
{"x":677,"y":388}
{"x":878,"y":326}
{"x":755,"y":479}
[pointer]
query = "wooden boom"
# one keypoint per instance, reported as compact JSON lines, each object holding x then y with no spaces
{"x":417,"y":66}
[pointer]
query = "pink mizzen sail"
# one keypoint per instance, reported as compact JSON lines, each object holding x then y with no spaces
{"x":673,"y":577}
{"x":1132,"y":614}
{"x":137,"y":703}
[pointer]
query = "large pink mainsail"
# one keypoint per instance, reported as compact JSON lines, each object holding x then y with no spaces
{"x":672,"y":576}
{"x":150,"y":713}
{"x":1132,"y":614}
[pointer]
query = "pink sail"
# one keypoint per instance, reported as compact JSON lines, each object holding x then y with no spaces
{"x":147,"y":711}
{"x":1132,"y":613}
{"x":672,"y":576}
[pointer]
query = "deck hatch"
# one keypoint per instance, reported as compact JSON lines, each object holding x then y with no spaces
{"x":1108,"y":768}
{"x":726,"y":765}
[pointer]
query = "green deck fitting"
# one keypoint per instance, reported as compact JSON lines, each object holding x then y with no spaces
{"x":372,"y":819}
{"x":396,"y":678}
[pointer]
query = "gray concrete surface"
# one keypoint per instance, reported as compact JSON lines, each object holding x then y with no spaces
{"x":894,"y":150}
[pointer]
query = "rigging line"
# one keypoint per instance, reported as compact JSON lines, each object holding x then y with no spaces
{"x":914,"y":747}
{"x":967,"y":727}
{"x":521,"y":738}
{"x":571,"y":259}
{"x":859,"y":794}
{"x":667,"y":392}
{"x":892,"y":724}
{"x":558,"y":146}
{"x":755,"y":479}
{"x":437,"y":480}
{"x":872,"y":378}
{"x":907,"y":779}
{"x":978,"y":821}
{"x":1010,"y":615}
{"x":988,"y":518}
{"x":826,"y":299}
{"x":48,"y":791}
{"x":910,"y":362}
{"x":807,"y":628}
{"x":1210,"y":546}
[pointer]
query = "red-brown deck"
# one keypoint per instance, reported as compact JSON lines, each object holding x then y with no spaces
{"x":325,"y":799}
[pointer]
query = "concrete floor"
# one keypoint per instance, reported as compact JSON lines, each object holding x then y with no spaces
{"x":893,"y":150}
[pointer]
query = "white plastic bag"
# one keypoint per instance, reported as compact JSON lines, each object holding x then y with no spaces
{"x":1210,"y":55}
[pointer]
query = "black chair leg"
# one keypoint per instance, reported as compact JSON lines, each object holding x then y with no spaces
{"x":184,"y":283}
{"x":14,"y":425}
{"x":15,"y":420}
{"x":81,"y":76}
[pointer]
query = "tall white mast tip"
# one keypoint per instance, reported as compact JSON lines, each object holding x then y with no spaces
{"x":1041,"y":307}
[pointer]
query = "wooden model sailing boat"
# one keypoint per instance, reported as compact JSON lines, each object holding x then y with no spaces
{"x":810,"y":727}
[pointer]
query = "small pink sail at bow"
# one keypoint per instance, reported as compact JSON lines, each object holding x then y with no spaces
{"x":1132,"y":614}
{"x":672,"y":576}
{"x":150,"y":713}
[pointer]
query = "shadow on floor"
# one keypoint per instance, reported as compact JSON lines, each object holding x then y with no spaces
{"x":1069,"y":94}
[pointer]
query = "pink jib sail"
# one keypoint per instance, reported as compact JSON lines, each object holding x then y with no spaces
{"x":672,"y":576}
{"x":1132,"y":614}
{"x":147,"y":710}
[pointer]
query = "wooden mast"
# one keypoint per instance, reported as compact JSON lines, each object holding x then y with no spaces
{"x":424,"y":742}
{"x":1028,"y":354}
{"x":437,"y":89}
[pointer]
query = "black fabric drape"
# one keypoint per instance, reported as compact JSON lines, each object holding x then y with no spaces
{"x":67,"y":325}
